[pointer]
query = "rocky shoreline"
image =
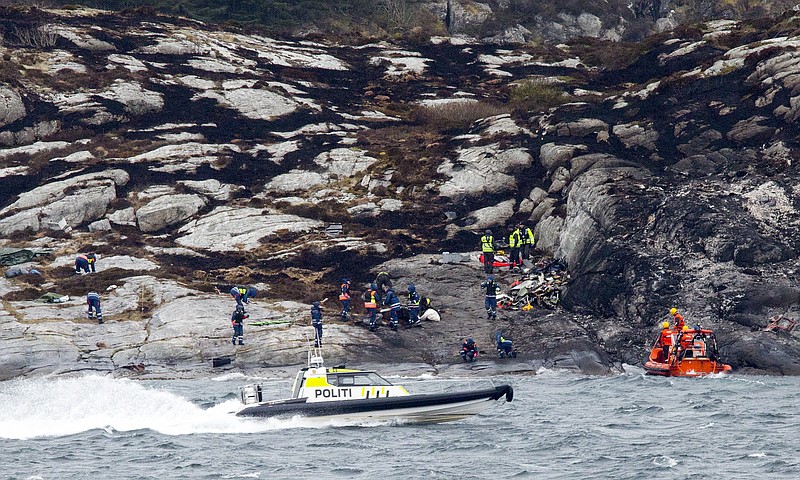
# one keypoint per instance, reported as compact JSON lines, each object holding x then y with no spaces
{"x":193,"y":158}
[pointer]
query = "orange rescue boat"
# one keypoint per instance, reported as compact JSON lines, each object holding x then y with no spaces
{"x":688,"y":353}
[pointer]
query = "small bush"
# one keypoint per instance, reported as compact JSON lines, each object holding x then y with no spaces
{"x":536,"y":95}
{"x":455,"y":115}
{"x":35,"y":36}
{"x":606,"y":54}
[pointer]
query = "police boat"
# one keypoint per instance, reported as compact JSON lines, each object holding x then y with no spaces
{"x":356,"y":395}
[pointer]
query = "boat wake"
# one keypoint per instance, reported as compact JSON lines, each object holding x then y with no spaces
{"x":32,"y":408}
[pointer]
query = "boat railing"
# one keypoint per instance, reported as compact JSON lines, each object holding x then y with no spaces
{"x":443,"y":385}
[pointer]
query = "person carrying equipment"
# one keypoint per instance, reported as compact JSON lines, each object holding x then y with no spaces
{"x":488,"y":249}
{"x":316,"y":322}
{"x":490,"y":302}
{"x":371,"y":304}
{"x":383,"y":282}
{"x":505,"y":347}
{"x":393,"y":302}
{"x":678,"y":319}
{"x":237,"y":320}
{"x":85,"y":263}
{"x":344,"y":297}
{"x":243,"y":295}
{"x":666,"y":339}
{"x":413,"y":305}
{"x":93,"y":300}
{"x":469,"y":350}
{"x":514,"y":244}
{"x":528,"y":241}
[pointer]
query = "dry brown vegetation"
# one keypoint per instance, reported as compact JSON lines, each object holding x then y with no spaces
{"x":454,"y":115}
{"x":607,"y":54}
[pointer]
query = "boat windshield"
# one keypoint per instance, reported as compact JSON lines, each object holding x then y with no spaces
{"x":357,"y":379}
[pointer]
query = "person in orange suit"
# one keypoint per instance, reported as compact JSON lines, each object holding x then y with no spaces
{"x":666,"y":339}
{"x":678,"y":319}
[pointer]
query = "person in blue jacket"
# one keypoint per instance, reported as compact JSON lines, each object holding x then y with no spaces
{"x":85,"y":263}
{"x":237,"y":321}
{"x":505,"y":347}
{"x":316,"y":322}
{"x":93,"y":300}
{"x":490,"y":301}
{"x":243,"y":295}
{"x":413,"y":305}
{"x":344,"y":297}
{"x":393,"y":303}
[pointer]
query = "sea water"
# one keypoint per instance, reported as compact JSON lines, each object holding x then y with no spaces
{"x":560,"y":425}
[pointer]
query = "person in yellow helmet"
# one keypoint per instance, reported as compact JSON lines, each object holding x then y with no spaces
{"x":687,"y":336}
{"x":679,"y":323}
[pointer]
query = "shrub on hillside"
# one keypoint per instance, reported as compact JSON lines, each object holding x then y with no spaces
{"x":536,"y":95}
{"x":606,"y":54}
{"x":454,"y":115}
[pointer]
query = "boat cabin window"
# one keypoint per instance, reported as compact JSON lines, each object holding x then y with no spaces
{"x":357,"y":379}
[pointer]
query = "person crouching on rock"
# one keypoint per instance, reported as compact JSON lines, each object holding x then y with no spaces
{"x":93,"y":300}
{"x":85,"y":263}
{"x":316,"y":322}
{"x":505,"y":347}
{"x":371,"y":305}
{"x":393,"y":302}
{"x":243,"y":295}
{"x":469,"y":350}
{"x":427,"y":312}
{"x":344,"y":297}
{"x":237,"y":320}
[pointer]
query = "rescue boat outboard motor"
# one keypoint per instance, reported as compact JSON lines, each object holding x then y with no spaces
{"x":250,"y":394}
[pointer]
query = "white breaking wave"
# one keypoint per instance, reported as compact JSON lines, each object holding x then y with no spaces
{"x":31,"y":408}
{"x":664,"y":461}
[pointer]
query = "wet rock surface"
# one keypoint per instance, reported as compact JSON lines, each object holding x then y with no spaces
{"x":193,"y":159}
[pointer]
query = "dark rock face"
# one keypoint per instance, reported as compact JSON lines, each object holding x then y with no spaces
{"x":222,"y":157}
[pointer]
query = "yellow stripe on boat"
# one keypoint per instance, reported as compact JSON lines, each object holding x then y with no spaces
{"x":317,"y":382}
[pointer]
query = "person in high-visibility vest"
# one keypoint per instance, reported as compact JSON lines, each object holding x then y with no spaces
{"x":371,"y":305}
{"x":487,"y":249}
{"x":528,"y":241}
{"x":243,"y":295}
{"x":515,"y":245}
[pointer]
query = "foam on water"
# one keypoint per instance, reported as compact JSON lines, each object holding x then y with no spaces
{"x":31,"y":408}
